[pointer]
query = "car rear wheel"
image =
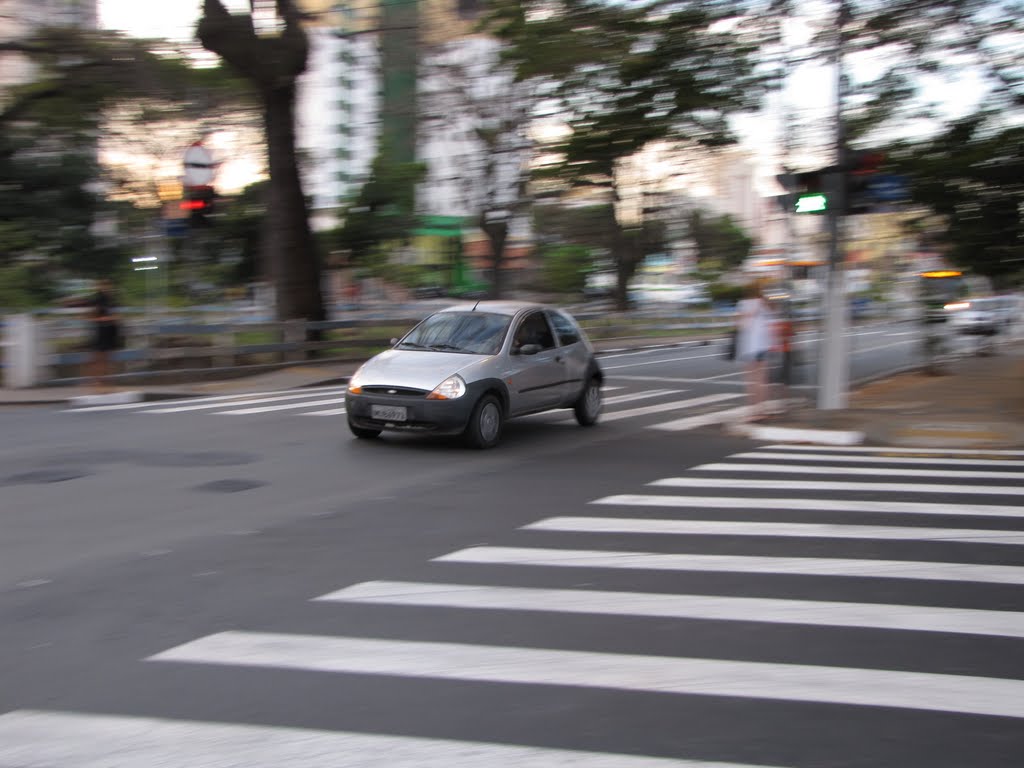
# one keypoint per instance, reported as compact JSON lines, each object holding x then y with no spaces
{"x":588,"y":407}
{"x":484,"y":428}
{"x":363,"y":433}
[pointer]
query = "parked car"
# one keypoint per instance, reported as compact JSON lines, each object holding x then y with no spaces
{"x":468,"y":368}
{"x":985,"y":316}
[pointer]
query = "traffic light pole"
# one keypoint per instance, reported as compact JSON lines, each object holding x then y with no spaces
{"x":833,"y":359}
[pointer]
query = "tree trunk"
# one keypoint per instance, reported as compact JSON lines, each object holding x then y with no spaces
{"x":289,"y":248}
{"x":497,"y":235}
{"x":273,"y":66}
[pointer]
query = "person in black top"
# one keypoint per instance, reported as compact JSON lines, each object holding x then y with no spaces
{"x":106,"y":332}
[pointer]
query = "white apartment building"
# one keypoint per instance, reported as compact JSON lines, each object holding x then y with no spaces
{"x":337,"y":116}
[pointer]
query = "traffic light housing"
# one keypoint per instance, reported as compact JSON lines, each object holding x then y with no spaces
{"x":862,"y":168}
{"x":807,"y":192}
{"x":198,"y":203}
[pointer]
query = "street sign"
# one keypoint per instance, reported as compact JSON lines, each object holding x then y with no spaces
{"x":888,"y":188}
{"x":200,"y":166}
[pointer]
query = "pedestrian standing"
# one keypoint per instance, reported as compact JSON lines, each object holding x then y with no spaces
{"x":106,"y":334}
{"x":753,"y":344}
{"x":784,"y":333}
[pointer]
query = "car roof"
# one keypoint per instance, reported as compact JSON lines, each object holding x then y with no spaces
{"x":497,"y":307}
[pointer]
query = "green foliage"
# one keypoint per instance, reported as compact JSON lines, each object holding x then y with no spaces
{"x":972,"y":175}
{"x":384,"y":211}
{"x":51,"y":182}
{"x":566,"y":268}
{"x":720,"y":242}
{"x":628,"y":75}
{"x":725,"y":292}
{"x":24,"y":287}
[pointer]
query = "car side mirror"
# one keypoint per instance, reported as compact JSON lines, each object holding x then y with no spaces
{"x":529,"y":349}
{"x":393,"y":342}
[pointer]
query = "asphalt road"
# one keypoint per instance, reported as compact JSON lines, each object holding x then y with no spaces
{"x":643,"y":593}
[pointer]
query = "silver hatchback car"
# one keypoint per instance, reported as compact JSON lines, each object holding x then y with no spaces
{"x":467,"y":369}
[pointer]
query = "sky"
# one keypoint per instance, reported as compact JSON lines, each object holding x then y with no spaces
{"x":810,"y":89}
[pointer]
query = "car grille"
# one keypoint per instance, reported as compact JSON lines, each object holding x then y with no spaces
{"x":396,"y":391}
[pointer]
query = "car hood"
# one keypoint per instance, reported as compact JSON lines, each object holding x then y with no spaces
{"x":415,"y":369}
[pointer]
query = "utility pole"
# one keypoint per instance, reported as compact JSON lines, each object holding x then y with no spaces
{"x":833,"y":360}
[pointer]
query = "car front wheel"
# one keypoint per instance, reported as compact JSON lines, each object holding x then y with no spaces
{"x":484,"y":428}
{"x":588,"y":407}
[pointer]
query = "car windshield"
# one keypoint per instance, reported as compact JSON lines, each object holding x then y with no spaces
{"x":472,"y":333}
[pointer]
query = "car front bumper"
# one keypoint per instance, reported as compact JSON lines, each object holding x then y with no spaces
{"x":441,"y":417}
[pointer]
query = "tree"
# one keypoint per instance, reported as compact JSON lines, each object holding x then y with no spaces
{"x":273,"y":64}
{"x":86,"y":85}
{"x":474,"y":99}
{"x":627,"y":77}
{"x":973,"y":177}
{"x":967,"y":167}
{"x":720,"y":242}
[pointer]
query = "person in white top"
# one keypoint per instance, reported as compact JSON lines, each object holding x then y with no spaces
{"x":754,"y":342}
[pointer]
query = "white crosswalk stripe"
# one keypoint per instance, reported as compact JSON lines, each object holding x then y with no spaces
{"x":810,"y":612}
{"x":814,"y":530}
{"x":817,"y":485}
{"x":894,"y":460}
{"x":660,"y":674}
{"x":818,"y":504}
{"x":839,"y":593}
{"x":311,"y":402}
{"x":35,"y":739}
{"x":795,"y":566}
{"x":871,"y":471}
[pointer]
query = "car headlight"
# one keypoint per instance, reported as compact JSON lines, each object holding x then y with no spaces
{"x":354,"y":384}
{"x":449,"y":389}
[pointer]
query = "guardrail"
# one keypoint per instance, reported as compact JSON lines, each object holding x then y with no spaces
{"x":174,"y":347}
{"x":213,"y":344}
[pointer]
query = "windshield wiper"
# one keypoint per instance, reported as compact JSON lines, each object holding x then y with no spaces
{"x":446,"y":348}
{"x":411,"y":344}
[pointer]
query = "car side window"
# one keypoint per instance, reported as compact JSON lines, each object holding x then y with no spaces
{"x":565,"y":328}
{"x":534,"y":329}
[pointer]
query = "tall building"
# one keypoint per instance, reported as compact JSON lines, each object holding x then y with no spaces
{"x":363,"y":87}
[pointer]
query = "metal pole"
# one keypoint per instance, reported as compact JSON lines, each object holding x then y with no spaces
{"x":833,"y":377}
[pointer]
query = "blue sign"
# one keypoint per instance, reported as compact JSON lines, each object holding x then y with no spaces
{"x":176,"y":227}
{"x":888,"y":188}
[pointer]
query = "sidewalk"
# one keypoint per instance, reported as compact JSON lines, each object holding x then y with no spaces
{"x":977,"y":403}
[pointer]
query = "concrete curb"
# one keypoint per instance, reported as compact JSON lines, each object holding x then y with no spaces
{"x":772,"y":434}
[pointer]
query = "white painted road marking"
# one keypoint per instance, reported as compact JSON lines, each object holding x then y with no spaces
{"x":288,"y":406}
{"x":245,"y":400}
{"x":711,"y":607}
{"x":873,"y":471}
{"x":888,"y":452}
{"x":676,"y":405}
{"x":34,"y":739}
{"x":621,"y":671}
{"x":789,"y":566}
{"x":817,"y":485}
{"x":802,"y":530}
{"x":817,"y":505}
{"x":897,"y":460}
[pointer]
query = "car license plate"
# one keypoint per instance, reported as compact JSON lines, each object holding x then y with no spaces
{"x":388,"y":412}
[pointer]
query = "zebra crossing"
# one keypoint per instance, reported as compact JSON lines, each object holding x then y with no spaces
{"x":810,"y":563}
{"x":330,"y":401}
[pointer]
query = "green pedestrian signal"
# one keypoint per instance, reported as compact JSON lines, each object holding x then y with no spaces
{"x":815,"y":202}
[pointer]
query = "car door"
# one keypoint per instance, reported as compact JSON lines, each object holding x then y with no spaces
{"x":536,"y":381}
{"x":576,"y":355}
